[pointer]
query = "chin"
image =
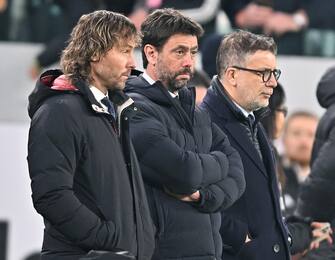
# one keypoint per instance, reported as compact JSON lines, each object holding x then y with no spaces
{"x":119,"y":86}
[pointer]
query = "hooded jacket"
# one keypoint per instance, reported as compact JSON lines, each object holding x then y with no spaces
{"x":317,"y":192}
{"x":85,"y":177}
{"x":181,"y":151}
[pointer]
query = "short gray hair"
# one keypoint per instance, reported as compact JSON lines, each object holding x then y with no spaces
{"x":236,"y":46}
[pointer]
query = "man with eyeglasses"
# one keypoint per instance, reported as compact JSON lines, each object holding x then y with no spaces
{"x":237,"y":99}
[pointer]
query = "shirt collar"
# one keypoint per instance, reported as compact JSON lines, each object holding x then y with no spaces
{"x":245,"y":112}
{"x":98,"y":95}
{"x":150,"y":80}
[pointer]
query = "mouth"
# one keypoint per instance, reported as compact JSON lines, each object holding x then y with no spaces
{"x":185,"y":76}
{"x":267,"y":95}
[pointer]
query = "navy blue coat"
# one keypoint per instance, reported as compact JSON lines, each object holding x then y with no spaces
{"x":257,"y":212}
{"x":179,"y":149}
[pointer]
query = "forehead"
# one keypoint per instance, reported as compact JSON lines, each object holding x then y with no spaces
{"x":261,"y":60}
{"x":185,"y":40}
{"x":302,"y":122}
{"x":130,"y":42}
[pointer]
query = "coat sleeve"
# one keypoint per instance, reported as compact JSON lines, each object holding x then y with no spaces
{"x":315,"y":192}
{"x":222,"y":194}
{"x":54,"y":150}
{"x":164,"y":163}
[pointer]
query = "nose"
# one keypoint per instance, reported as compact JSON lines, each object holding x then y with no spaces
{"x":131,"y":61}
{"x":272,"y":82}
{"x":188,"y":60}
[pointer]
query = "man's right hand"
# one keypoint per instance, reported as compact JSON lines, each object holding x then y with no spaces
{"x":194,"y":197}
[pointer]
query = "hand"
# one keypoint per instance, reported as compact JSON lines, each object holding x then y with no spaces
{"x":3,"y":5}
{"x":34,"y":71}
{"x":321,"y":231}
{"x":137,"y":17}
{"x":280,"y":23}
{"x":187,"y":198}
{"x":253,"y":16}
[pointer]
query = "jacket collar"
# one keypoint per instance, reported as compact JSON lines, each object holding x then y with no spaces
{"x":218,"y":92}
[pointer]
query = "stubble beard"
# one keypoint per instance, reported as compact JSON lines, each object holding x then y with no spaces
{"x":170,"y":80}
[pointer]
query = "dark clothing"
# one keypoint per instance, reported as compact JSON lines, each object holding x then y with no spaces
{"x":181,"y":151}
{"x":290,"y":43}
{"x":71,"y":12}
{"x":321,"y":16}
{"x":257,"y":213}
{"x":290,"y":189}
{"x":85,"y":179}
{"x":316,"y":199}
{"x":301,"y":233}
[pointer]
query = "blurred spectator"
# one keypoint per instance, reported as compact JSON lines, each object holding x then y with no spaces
{"x":50,"y":54}
{"x":202,"y":11}
{"x":298,"y":140}
{"x":302,"y":230}
{"x":4,"y":19}
{"x":209,"y":48}
{"x":71,"y":12}
{"x":316,"y":199}
{"x":274,"y":123}
{"x":201,"y":82}
{"x":282,"y":19}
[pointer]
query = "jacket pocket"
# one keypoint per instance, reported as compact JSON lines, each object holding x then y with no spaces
{"x":249,"y":251}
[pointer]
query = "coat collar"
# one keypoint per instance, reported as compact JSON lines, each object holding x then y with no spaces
{"x":219,"y":94}
{"x":218,"y":101}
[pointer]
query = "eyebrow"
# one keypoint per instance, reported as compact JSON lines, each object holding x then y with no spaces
{"x":185,"y":47}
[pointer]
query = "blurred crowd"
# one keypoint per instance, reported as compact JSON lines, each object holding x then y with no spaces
{"x":300,"y":27}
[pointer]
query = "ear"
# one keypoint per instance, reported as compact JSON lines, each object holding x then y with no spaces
{"x":151,"y":53}
{"x":230,"y":75}
{"x":95,"y":57}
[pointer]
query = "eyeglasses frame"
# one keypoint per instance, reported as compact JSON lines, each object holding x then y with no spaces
{"x":262,"y":72}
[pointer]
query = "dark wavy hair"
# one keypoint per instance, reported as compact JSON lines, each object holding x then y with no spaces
{"x":93,"y":36}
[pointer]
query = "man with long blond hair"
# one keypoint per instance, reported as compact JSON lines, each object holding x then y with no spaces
{"x":85,"y":177}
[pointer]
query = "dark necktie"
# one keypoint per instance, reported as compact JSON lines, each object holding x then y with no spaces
{"x":253,"y":134}
{"x":251,"y":120}
{"x":109,"y":104}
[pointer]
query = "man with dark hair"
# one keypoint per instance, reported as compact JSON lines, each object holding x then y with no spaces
{"x":190,"y":170}
{"x":85,"y":177}
{"x":238,"y":98}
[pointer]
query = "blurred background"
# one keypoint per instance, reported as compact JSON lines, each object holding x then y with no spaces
{"x":33,"y":33}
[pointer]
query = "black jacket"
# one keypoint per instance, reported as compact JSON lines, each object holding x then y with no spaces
{"x":180,"y":150}
{"x":85,"y":179}
{"x":317,"y":192}
{"x":257,"y":212}
{"x":316,"y":198}
{"x":289,"y":43}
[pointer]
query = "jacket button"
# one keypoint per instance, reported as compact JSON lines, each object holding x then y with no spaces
{"x":276,"y":248}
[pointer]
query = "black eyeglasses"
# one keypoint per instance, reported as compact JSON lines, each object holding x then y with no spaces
{"x":282,"y":110}
{"x":266,"y":74}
